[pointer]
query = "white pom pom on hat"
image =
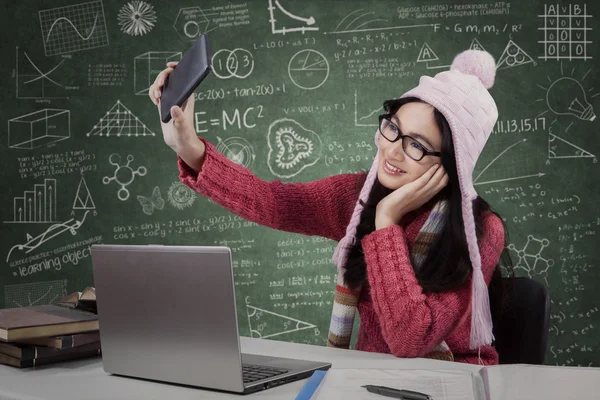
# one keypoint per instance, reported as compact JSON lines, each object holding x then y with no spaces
{"x":478,"y":63}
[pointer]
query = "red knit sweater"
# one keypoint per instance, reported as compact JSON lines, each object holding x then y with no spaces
{"x":396,"y":316}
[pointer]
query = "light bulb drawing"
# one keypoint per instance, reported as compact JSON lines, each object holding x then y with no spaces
{"x":566,"y":96}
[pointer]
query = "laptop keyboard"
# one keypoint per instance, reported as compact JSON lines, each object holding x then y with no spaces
{"x":253,"y":372}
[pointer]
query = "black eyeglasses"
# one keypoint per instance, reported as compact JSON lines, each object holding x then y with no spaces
{"x":411,"y":146}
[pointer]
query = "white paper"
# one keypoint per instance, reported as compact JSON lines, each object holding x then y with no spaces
{"x":531,"y":382}
{"x":345,"y":384}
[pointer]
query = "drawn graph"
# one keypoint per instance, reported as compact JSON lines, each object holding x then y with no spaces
{"x":358,"y":21}
{"x":477,"y":182}
{"x":34,"y":83}
{"x":32,"y":243}
{"x":73,"y":28}
{"x":34,"y":293}
{"x":119,"y":121}
{"x":37,"y":205}
{"x":265,"y":324}
{"x":355,"y":20}
{"x":308,"y":69}
{"x":44,"y":211}
{"x":305,"y":23}
{"x":369,"y":119}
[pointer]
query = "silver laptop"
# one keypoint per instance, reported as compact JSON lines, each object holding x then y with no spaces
{"x":167,"y":313}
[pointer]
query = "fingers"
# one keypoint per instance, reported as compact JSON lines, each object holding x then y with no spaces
{"x":162,"y":76}
{"x":175,"y":116}
{"x":439,"y":180}
{"x":428,"y":175}
{"x":155,"y":90}
{"x":435,"y":178}
{"x":178,"y":117}
{"x":442,"y":182}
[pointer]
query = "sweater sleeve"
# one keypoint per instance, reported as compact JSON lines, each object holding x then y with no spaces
{"x":412,"y":321}
{"x":322,"y":207}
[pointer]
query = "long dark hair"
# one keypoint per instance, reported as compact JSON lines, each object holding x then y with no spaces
{"x":447,"y":264}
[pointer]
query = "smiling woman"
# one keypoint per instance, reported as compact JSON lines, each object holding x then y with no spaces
{"x":439,"y":239}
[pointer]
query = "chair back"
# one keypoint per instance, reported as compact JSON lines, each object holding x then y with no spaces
{"x":521,"y":321}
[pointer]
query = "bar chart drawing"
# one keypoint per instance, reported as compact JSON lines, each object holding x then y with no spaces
{"x":37,"y":205}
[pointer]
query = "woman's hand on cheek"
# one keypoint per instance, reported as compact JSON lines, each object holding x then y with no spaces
{"x":409,"y":197}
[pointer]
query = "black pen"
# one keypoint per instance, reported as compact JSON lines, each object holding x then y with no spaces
{"x":397,"y":393}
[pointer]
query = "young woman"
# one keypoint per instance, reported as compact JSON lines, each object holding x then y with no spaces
{"x":418,"y":248}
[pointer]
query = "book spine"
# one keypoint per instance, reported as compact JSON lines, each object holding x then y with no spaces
{"x":59,"y":358}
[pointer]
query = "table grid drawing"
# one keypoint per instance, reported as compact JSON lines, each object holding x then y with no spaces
{"x":565,"y":32}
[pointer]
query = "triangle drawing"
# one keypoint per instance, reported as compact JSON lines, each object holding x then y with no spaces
{"x":475,"y":45}
{"x":513,"y":56}
{"x":83,"y":198}
{"x":560,"y":148}
{"x":265,"y":324}
{"x":119,"y":121}
{"x":426,"y":54}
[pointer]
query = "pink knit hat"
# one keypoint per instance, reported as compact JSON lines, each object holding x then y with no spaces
{"x":461,"y":95}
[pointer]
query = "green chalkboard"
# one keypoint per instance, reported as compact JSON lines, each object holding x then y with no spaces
{"x":84,"y":160}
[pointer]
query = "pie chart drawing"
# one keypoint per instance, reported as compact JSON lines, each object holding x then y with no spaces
{"x":308,"y":69}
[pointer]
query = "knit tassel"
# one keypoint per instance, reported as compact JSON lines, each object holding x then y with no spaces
{"x":340,"y":254}
{"x":481,"y":318}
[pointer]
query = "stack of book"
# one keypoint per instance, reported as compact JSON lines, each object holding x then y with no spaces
{"x":45,"y":334}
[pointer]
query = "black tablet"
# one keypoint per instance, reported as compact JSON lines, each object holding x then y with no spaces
{"x":193,"y":67}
